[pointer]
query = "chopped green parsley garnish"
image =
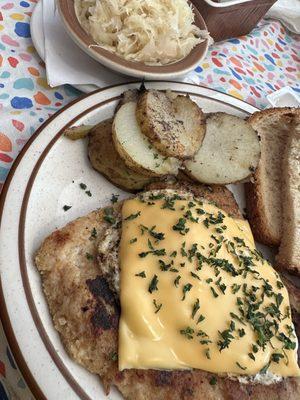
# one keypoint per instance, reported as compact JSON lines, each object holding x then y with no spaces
{"x":141,"y":274}
{"x":188,"y":215}
{"x":114,"y":198}
{"x":200,"y":319}
{"x":254,"y":348}
{"x":213,"y":380}
{"x":93,"y":234}
{"x":163,"y":266}
{"x":182,"y":250}
{"x":157,"y":235}
{"x":288,"y":344}
{"x":108,"y":215}
{"x":241,"y":332}
{"x":234,"y":316}
{"x":153,"y":284}
{"x":186,"y":288}
{"x":176,"y":281}
{"x":157,"y":306}
{"x":240,"y":366}
{"x":226,"y":338}
{"x":279,"y":284}
{"x":214,"y":220}
{"x":114,"y":356}
{"x":235,"y":288}
{"x":196,"y":307}
{"x":89,"y":256}
{"x":180,"y":226}
{"x":155,"y":252}
{"x":276,"y":357}
{"x":82,"y":186}
{"x":215,"y":294}
{"x":188,"y":332}
{"x":195,"y":276}
{"x":132,"y":216}
{"x":265,"y":368}
{"x":207,"y":354}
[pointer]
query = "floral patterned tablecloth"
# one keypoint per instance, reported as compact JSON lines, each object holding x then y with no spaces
{"x":248,"y":68}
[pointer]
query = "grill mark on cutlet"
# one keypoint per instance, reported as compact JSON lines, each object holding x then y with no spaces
{"x":99,"y":288}
{"x":101,"y":319}
{"x":60,"y":237}
{"x":163,"y":378}
{"x":106,"y":311}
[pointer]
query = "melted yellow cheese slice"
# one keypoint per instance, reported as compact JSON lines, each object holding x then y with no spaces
{"x":196,"y":294}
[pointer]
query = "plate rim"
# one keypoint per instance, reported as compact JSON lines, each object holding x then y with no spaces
{"x":4,"y":315}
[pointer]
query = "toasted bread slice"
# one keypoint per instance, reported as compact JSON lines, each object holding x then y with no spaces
{"x":229,"y":153}
{"x":263,"y":193}
{"x":135,"y":149}
{"x":289,"y":250}
{"x":173,"y":124}
{"x":128,"y":96}
{"x":292,"y":284}
{"x":106,"y":160}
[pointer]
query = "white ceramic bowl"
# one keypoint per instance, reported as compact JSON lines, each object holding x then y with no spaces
{"x":119,"y":64}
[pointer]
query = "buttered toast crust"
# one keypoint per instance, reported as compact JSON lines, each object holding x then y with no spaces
{"x":289,"y":251}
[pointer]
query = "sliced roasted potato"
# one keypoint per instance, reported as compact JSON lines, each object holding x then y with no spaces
{"x":175,"y":125}
{"x":127,"y":96}
{"x":106,"y":160}
{"x":135,"y":148}
{"x":78,"y":132}
{"x":230,"y":151}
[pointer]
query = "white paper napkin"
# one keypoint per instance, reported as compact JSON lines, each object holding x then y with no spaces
{"x":288,"y":12}
{"x":67,"y":63}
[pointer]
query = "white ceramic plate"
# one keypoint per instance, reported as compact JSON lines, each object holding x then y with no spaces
{"x":45,"y":177}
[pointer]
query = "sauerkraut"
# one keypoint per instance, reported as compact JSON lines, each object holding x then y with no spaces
{"x":155,"y":32}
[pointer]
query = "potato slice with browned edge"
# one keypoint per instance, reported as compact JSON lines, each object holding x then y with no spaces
{"x":106,"y":160}
{"x":78,"y":132}
{"x":174,"y":124}
{"x":134,"y":147}
{"x":230,"y":151}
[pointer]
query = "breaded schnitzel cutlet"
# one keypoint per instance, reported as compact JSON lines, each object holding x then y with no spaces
{"x":79,"y":270}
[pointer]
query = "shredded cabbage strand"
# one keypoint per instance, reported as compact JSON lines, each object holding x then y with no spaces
{"x":155,"y":32}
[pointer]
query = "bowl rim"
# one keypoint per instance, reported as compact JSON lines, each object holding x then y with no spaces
{"x":138,"y":69}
